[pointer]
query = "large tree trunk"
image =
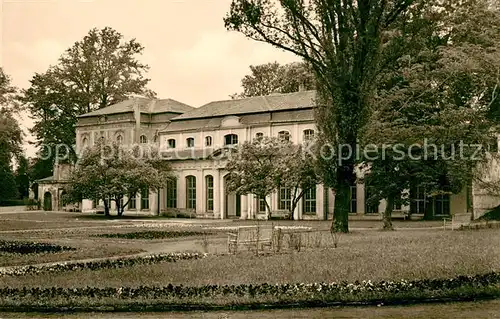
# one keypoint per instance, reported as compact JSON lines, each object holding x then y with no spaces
{"x":106,"y":208}
{"x":388,"y":213}
{"x":268,"y":212}
{"x":340,"y":221}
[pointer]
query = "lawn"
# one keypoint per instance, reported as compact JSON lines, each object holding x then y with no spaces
{"x":362,"y":255}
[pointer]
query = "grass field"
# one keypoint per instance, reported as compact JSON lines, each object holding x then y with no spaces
{"x":373,"y":255}
{"x":416,"y":250}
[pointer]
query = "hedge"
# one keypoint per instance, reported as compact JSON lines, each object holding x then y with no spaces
{"x":153,"y":234}
{"x":25,"y":247}
{"x":98,"y":264}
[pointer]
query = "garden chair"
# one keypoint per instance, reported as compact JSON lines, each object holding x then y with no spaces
{"x":457,"y":220}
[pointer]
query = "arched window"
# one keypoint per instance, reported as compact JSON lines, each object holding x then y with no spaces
{"x":190,"y":192}
{"x":85,"y":142}
{"x":119,"y":139}
{"x":259,"y":135}
{"x":230,"y":139}
{"x":171,"y":143}
{"x":208,"y":141}
{"x":143,"y":139}
{"x":308,"y":135}
{"x":190,"y":142}
{"x":284,"y":135}
{"x":171,"y":193}
{"x":209,"y":191}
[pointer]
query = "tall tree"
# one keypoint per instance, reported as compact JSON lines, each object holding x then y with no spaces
{"x":22,"y":177}
{"x":344,"y":43}
{"x":100,"y":70}
{"x":442,"y":99}
{"x":111,"y":172}
{"x":273,"y":77}
{"x":11,"y":138}
{"x":263,"y":166}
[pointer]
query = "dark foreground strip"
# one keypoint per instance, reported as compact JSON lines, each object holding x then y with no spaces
{"x":169,"y":307}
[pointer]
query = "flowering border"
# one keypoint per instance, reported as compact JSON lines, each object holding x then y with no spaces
{"x":247,"y":296}
{"x":98,"y":264}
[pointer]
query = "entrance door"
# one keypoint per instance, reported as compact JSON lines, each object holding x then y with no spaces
{"x":238,"y":205}
{"x":232,"y":205}
{"x":47,"y":201}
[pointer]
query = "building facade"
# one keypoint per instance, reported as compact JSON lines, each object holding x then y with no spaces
{"x":194,"y":140}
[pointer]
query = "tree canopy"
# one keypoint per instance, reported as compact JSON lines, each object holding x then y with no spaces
{"x":111,"y":172}
{"x":273,"y":77}
{"x":11,"y":138}
{"x":345,"y":44}
{"x":361,"y":53}
{"x":263,"y":166}
{"x":97,"y":71}
{"x":444,"y":95}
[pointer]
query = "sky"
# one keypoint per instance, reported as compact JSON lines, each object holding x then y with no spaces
{"x":192,"y":57}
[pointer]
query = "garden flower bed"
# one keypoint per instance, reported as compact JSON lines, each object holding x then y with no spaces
{"x":261,"y":295}
{"x":98,"y":264}
{"x":152,"y":234}
{"x":25,"y":247}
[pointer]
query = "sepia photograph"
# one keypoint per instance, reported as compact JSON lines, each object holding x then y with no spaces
{"x":266,"y":159}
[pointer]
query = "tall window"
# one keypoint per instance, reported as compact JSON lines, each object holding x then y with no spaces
{"x":208,"y":141}
{"x":354,"y":199}
{"x":132,"y":202}
{"x":309,"y":206}
{"x":230,"y":139}
{"x":442,"y":204}
{"x":308,"y":135}
{"x":171,"y":192}
{"x":284,"y":135}
{"x":145,"y":198}
{"x":119,"y":139}
{"x":190,"y":142}
{"x":418,"y":200}
{"x":171,"y":143}
{"x":191,"y":192}
{"x":85,"y":142}
{"x":262,"y":204}
{"x":94,"y":203}
{"x":259,"y":135}
{"x":143,"y":139}
{"x":370,"y":206}
{"x":285,"y":202}
{"x":209,"y":182}
{"x":397,"y":203}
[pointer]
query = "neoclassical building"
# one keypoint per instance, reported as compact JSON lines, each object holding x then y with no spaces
{"x":194,"y":140}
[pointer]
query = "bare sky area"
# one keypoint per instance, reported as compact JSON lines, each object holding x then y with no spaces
{"x":193,"y":58}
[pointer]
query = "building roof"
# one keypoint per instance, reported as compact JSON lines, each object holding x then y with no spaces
{"x":274,"y":102}
{"x":149,"y":106}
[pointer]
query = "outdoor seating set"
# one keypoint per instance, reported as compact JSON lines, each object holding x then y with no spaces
{"x":258,"y":237}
